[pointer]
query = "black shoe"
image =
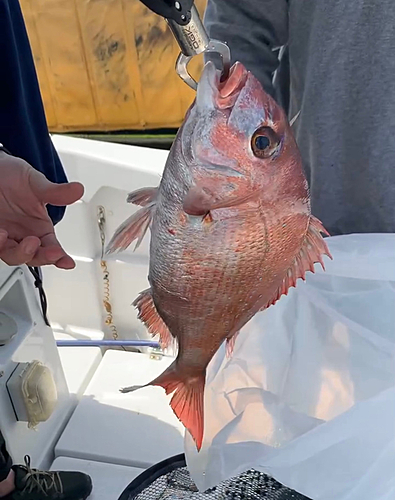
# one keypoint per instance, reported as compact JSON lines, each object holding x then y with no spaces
{"x":32,"y":484}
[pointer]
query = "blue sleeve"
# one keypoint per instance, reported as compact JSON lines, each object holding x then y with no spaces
{"x":23,"y":127}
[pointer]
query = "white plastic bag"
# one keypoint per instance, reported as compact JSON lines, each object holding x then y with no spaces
{"x":308,"y":395}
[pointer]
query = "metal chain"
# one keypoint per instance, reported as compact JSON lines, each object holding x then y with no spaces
{"x":101,"y":220}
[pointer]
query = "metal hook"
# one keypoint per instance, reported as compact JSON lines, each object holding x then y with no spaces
{"x":214,"y":46}
{"x":101,"y":219}
{"x":182,"y":71}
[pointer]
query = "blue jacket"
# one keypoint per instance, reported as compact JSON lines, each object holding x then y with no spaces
{"x":23,"y":127}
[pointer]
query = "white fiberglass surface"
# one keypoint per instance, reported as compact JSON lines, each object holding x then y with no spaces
{"x":109,"y":172}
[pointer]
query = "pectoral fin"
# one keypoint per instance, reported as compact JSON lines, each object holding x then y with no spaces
{"x":201,"y":199}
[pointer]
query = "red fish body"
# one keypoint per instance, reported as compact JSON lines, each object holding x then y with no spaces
{"x":231,"y":230}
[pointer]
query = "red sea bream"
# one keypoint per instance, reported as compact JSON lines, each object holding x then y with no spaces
{"x":231,"y":230}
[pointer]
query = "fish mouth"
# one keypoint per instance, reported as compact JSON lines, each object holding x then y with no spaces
{"x":213,"y":93}
{"x":232,"y":86}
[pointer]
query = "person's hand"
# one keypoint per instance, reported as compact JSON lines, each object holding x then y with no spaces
{"x":27,"y":235}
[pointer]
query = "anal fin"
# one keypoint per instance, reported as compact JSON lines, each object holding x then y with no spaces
{"x":149,"y":315}
{"x":311,"y":252}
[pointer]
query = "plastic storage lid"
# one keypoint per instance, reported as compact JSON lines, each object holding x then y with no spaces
{"x":39,"y":393}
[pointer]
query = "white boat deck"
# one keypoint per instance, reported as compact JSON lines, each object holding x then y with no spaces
{"x":114,"y":436}
{"x":137,"y":429}
{"x":79,"y":365}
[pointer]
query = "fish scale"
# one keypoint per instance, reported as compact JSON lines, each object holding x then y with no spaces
{"x":231,"y":230}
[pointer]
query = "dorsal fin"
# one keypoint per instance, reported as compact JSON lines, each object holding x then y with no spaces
{"x":230,"y":344}
{"x":293,"y":120}
{"x":311,"y":252}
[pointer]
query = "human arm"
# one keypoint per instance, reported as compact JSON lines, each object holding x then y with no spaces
{"x":23,"y":126}
{"x":26,"y":230}
{"x":32,"y":200}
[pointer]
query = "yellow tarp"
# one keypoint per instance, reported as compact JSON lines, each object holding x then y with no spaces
{"x":106,"y":65}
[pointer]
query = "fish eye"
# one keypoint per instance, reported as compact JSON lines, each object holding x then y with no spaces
{"x":265,"y":142}
{"x":261,"y":142}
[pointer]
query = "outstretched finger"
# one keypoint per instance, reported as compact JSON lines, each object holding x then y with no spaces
{"x":20,"y":253}
{"x":53,"y":251}
{"x":52,"y":256}
{"x":3,"y":238}
{"x":55,"y":194}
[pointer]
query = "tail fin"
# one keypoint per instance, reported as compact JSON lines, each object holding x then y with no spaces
{"x":187,"y":401}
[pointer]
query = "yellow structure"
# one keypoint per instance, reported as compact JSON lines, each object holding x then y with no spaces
{"x":106,"y":65}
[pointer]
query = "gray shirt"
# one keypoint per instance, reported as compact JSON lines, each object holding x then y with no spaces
{"x":339,"y":71}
